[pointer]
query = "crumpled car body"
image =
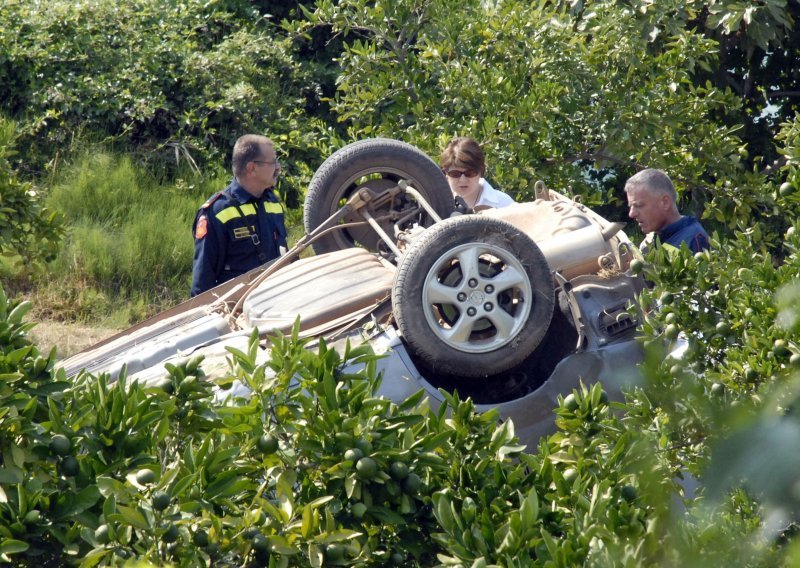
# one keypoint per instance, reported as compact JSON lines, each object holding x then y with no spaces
{"x":511,"y":306}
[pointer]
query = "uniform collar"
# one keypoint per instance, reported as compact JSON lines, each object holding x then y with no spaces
{"x":668,"y":231}
{"x":240,"y":193}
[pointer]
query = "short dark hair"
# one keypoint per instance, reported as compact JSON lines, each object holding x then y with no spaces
{"x":653,"y":180}
{"x":463,"y":153}
{"x":247,"y":149}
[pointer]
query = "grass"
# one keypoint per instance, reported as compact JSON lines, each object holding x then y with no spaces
{"x":128,"y":250}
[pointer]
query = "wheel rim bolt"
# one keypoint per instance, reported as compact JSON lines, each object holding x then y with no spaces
{"x":488,"y":306}
{"x":489,"y":289}
{"x":473,"y":283}
{"x":471,"y":311}
{"x":461,"y":296}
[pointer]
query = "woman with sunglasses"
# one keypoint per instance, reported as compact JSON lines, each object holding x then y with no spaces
{"x":463,"y":163}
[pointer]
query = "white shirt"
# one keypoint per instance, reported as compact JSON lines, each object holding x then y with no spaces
{"x":491,"y":197}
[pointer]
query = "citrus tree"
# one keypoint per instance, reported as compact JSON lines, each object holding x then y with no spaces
{"x":311,"y":469}
{"x":29,"y":231}
{"x":581,"y":94}
{"x":174,"y":83}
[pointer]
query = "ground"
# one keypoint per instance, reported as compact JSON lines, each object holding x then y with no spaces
{"x":68,"y":338}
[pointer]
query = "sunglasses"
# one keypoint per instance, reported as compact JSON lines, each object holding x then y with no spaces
{"x":459,"y":173}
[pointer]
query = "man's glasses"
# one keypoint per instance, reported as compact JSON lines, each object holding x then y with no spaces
{"x":459,"y":173}
{"x":265,"y":162}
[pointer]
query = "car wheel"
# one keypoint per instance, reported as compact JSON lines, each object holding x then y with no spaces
{"x":473,"y":296}
{"x":378,"y":164}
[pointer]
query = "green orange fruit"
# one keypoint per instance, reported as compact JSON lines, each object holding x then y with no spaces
{"x":334,"y":551}
{"x":267,"y":444}
{"x":398,"y":470}
{"x":260,"y":543}
{"x":780,"y":349}
{"x":171,"y":533}
{"x":353,"y":455}
{"x":571,"y":402}
{"x":200,"y":538}
{"x":60,"y":445}
{"x":412,"y":483}
{"x":161,"y":500}
{"x":70,"y":466}
{"x":101,"y":534}
{"x":570,"y":475}
{"x":366,"y":468}
{"x":629,"y":493}
{"x":364,"y":445}
{"x":145,"y":476}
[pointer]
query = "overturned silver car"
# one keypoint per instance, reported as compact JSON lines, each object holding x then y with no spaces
{"x":510,"y":306}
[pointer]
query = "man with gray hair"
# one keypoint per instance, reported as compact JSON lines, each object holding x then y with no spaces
{"x":652,"y":203}
{"x":243,"y":226}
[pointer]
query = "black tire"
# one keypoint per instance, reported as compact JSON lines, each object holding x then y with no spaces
{"x":512,"y":296}
{"x":377,"y":163}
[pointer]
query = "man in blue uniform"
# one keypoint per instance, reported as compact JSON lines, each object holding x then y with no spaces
{"x":241,"y":227}
{"x":652,"y":204}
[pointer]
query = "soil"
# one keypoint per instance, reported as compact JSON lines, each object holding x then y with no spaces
{"x":68,"y":338}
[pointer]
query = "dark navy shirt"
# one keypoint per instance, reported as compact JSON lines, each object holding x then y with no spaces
{"x":685,"y":230}
{"x":235,"y":232}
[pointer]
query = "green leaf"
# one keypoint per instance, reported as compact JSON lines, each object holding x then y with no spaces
{"x":281,"y":545}
{"x":10,"y":476}
{"x":11,"y":376}
{"x":130,"y":517}
{"x":79,"y":502}
{"x":12,"y":546}
{"x":529,"y":511}
{"x":109,"y":486}
{"x":444,"y":511}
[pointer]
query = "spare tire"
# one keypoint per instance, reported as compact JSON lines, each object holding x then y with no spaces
{"x":378,"y":164}
{"x":473,"y":296}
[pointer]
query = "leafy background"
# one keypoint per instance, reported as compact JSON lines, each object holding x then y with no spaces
{"x":117,"y":122}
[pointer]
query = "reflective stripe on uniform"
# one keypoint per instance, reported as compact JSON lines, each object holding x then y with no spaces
{"x":271,"y":207}
{"x":232,"y":213}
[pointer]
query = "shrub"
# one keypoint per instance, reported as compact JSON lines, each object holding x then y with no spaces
{"x":313,"y":469}
{"x":172,"y":82}
{"x":28,"y":229}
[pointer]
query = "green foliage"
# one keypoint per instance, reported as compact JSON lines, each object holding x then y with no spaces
{"x":581,"y":94}
{"x":176,"y":82}
{"x":548,"y":91}
{"x":722,"y":411}
{"x":168,"y":473}
{"x":577,"y":93}
{"x":28,"y":229}
{"x":129,"y":238}
{"x":171,"y":472}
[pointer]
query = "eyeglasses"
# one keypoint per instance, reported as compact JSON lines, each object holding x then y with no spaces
{"x":459,"y":173}
{"x":266,"y":162}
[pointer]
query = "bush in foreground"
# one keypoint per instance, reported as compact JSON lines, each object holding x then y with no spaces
{"x":313,"y":469}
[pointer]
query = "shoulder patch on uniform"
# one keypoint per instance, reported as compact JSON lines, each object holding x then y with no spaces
{"x":211,"y":200}
{"x":202,"y":227}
